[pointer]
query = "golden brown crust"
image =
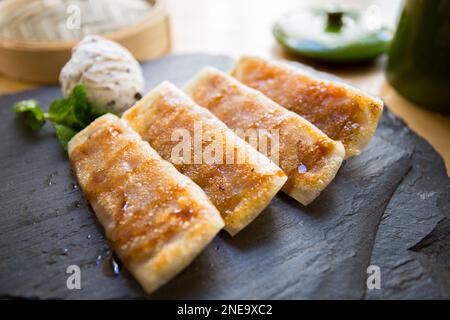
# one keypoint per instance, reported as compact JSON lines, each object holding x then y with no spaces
{"x":240,"y":191}
{"x":156,"y":219}
{"x":309,"y":158}
{"x":342,"y":112}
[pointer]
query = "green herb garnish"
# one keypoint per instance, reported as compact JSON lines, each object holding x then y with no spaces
{"x":32,"y":112}
{"x":68,"y":115}
{"x":64,"y":134}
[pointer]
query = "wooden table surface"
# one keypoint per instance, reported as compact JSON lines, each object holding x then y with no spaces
{"x":236,"y":27}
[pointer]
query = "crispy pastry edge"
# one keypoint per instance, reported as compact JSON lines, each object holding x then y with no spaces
{"x":178,"y":254}
{"x":372,"y":106}
{"x":302,"y":194}
{"x":244,"y":211}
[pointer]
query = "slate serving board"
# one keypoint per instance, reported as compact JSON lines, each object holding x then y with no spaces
{"x":389,"y":207}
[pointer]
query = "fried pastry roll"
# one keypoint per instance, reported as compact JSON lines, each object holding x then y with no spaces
{"x":156,"y":219}
{"x":342,"y":112}
{"x":239,"y":180}
{"x":309,"y":157}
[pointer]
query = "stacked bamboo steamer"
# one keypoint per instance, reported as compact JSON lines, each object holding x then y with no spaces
{"x":38,"y":56}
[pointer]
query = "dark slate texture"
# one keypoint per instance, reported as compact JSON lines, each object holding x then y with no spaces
{"x":389,"y":207}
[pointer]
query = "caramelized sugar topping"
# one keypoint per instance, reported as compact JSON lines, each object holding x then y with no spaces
{"x":142,"y":208}
{"x":326,"y":105}
{"x":226,"y":183}
{"x":241,"y":110}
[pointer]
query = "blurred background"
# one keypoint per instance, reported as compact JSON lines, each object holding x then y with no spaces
{"x":236,"y":27}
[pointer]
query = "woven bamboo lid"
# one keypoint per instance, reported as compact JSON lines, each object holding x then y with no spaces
{"x":41,"y":61}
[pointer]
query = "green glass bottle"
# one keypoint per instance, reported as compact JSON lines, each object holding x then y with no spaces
{"x":419,"y":56}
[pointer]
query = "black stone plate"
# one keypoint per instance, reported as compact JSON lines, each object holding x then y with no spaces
{"x":388,"y":207}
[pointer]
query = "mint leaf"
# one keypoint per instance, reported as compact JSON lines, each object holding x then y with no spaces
{"x":64,"y":134}
{"x":86,"y":112}
{"x":81,"y":106}
{"x":67,"y":111}
{"x":75,"y":111}
{"x":32,"y":112}
{"x":68,"y":115}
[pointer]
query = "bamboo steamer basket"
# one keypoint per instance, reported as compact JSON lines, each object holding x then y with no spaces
{"x":41,"y":62}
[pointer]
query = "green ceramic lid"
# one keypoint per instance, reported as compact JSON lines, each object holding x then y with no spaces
{"x":333,"y":34}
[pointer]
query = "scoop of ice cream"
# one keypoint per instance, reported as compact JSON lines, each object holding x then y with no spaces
{"x":112,"y":76}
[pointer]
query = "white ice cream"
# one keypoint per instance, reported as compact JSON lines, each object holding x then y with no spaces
{"x":113,"y":78}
